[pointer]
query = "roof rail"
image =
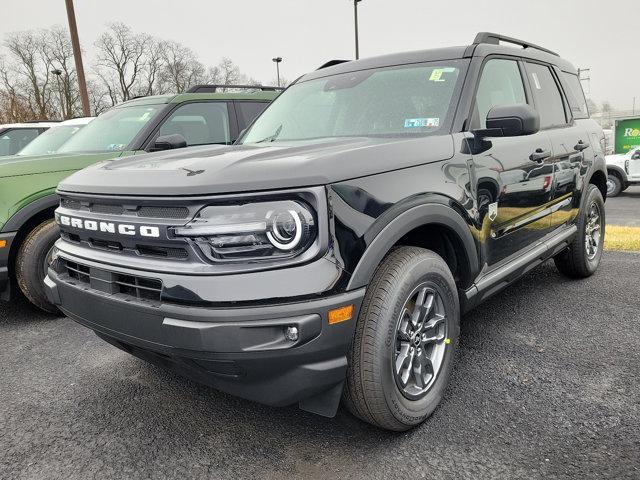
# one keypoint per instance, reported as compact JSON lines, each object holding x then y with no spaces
{"x":496,"y":38}
{"x":331,"y":63}
{"x":213,"y":88}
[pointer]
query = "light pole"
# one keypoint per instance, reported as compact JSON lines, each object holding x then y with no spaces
{"x":277,"y":61}
{"x":355,"y":18}
{"x":57,"y":72}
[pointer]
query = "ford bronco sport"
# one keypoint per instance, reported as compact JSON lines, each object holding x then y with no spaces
{"x":28,"y":183}
{"x":331,"y":252}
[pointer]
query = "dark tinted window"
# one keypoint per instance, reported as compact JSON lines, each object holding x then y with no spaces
{"x":12,"y":141}
{"x":199,"y":123}
{"x":500,"y":84}
{"x":546,"y":95}
{"x":247,"y":111}
{"x":575,"y":95}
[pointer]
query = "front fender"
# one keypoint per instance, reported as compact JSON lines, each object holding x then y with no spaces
{"x":414,"y":217}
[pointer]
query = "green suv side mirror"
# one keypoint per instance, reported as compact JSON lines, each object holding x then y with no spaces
{"x":168,"y":142}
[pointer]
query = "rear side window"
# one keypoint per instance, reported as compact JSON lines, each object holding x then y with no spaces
{"x":500,"y":84}
{"x":546,"y":95}
{"x":575,"y":95}
{"x":247,"y":111}
{"x":199,"y":123}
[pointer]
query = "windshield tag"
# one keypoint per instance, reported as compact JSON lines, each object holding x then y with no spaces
{"x":421,"y":122}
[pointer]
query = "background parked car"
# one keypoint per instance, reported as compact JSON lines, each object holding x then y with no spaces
{"x":50,"y":141}
{"x":15,"y":136}
{"x":623,"y":171}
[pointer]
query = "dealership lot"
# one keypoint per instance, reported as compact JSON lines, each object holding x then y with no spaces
{"x":625,"y":208}
{"x":545,"y":385}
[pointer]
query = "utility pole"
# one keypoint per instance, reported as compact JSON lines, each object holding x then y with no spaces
{"x":587,"y":79}
{"x":57,"y":72}
{"x":77,"y":56}
{"x":634,"y":106}
{"x":277,"y":61}
{"x":355,"y":17}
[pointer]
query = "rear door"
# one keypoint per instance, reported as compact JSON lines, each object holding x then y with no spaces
{"x":513,"y":175}
{"x":569,"y":140}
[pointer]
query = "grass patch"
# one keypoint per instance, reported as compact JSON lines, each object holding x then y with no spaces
{"x":622,"y":238}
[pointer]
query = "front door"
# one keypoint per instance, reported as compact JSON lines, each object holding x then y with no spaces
{"x":634,"y":165}
{"x":513,"y":175}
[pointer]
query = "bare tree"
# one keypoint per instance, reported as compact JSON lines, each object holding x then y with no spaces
{"x":31,"y":67}
{"x":121,"y":60}
{"x":228,"y":73}
{"x":59,"y":53}
{"x":181,"y":68}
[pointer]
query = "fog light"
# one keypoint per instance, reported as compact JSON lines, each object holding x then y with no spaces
{"x":291,"y":333}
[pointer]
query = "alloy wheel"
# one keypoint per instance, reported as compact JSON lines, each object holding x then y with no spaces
{"x":593,"y":231}
{"x":421,"y":337}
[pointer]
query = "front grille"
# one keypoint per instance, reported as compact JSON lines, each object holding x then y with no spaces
{"x":163,"y":212}
{"x":107,"y":209}
{"x":147,"y":290}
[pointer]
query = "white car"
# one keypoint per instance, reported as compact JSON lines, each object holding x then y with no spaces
{"x":623,"y":170}
{"x":51,"y":140}
{"x":15,"y":136}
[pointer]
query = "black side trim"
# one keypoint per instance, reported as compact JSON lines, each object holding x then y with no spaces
{"x":495,"y":280}
{"x":21,"y":217}
{"x":409,"y":220}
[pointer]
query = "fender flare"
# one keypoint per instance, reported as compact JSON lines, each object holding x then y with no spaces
{"x":619,"y":170}
{"x":23,"y":215}
{"x":418,"y":216}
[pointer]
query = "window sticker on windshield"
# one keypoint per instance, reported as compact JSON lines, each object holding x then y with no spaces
{"x":115,"y":146}
{"x":421,"y":122}
{"x":436,"y":74}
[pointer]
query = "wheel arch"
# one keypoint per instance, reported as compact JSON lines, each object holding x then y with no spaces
{"x":616,"y":170}
{"x":599,"y":179}
{"x":435,"y":226}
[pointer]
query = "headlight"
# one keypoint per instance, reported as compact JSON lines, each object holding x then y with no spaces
{"x":252,"y":231}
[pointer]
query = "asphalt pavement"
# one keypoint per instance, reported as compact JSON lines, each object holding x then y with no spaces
{"x":546,"y":385}
{"x":624,"y":209}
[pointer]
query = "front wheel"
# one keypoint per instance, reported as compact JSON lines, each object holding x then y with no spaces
{"x":406,"y":335}
{"x":32,"y":261}
{"x":583,"y":256}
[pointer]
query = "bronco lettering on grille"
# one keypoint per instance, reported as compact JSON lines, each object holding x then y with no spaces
{"x":108,"y":227}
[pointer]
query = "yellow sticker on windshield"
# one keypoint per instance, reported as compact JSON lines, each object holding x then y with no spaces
{"x":436,"y":74}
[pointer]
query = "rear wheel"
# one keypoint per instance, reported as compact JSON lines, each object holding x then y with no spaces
{"x":614,"y":185}
{"x":583,"y":256}
{"x":31,"y":263}
{"x":406,"y":335}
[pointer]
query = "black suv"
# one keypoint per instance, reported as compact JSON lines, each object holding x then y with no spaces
{"x":330,"y":253}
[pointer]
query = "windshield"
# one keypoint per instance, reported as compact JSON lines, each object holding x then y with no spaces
{"x":51,"y":140}
{"x":394,"y":101}
{"x":111,"y":131}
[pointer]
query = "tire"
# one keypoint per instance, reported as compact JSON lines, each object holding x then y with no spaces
{"x":575,"y":261}
{"x":30,"y":264}
{"x":614,"y":185}
{"x":373,"y":391}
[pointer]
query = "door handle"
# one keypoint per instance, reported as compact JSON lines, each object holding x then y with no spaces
{"x":580,"y":146}
{"x":539,"y":155}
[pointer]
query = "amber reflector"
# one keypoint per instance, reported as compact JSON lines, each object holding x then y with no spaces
{"x":341,"y":314}
{"x":3,"y":243}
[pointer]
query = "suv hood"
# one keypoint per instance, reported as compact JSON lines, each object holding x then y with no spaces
{"x":242,"y":168}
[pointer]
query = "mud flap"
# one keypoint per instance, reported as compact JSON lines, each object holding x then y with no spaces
{"x":325,"y":403}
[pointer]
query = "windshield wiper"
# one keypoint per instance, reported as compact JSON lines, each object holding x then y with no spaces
{"x":271,"y":138}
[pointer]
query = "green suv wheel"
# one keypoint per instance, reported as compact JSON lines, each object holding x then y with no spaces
{"x":32,"y":261}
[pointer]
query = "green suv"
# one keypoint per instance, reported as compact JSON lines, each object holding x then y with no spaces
{"x":202,"y":116}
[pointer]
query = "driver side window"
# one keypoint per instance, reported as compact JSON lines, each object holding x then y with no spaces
{"x":500,"y":84}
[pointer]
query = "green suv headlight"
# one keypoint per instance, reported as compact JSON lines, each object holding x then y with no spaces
{"x":252,"y":231}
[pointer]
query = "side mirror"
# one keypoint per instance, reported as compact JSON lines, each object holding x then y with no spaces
{"x":635,"y":156}
{"x":168,"y":142}
{"x":510,"y":121}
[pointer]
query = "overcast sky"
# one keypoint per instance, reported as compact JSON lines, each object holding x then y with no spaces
{"x":589,"y":33}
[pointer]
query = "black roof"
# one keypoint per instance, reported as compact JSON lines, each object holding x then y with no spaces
{"x":485,"y":43}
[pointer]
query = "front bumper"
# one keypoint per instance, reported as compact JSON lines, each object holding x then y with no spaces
{"x":4,"y":263}
{"x":239,"y":350}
